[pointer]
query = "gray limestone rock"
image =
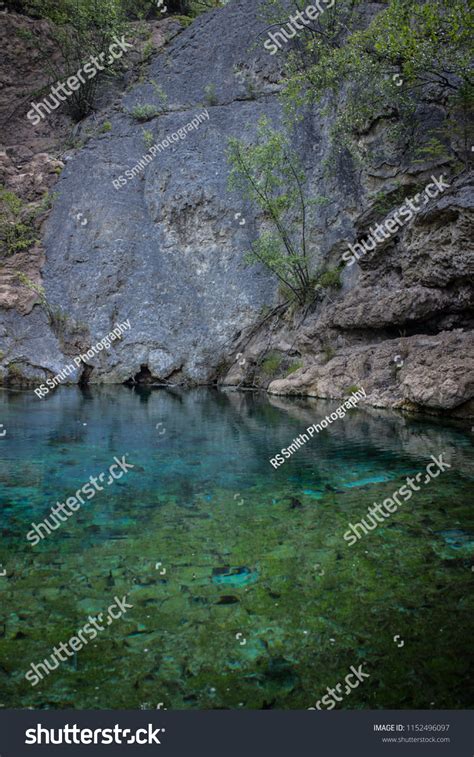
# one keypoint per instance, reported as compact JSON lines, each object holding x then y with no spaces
{"x":165,"y":249}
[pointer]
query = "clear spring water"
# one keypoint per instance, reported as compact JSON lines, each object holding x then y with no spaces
{"x":263,"y":604}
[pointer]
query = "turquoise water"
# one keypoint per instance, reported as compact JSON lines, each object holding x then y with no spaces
{"x":244,"y":592}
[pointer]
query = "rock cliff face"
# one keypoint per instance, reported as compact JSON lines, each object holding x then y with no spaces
{"x":166,"y":250}
{"x":401,"y":325}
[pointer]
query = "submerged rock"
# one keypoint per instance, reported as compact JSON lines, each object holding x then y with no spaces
{"x":295,"y":504}
{"x":234,"y":576}
{"x":228,"y":599}
{"x":456,"y":538}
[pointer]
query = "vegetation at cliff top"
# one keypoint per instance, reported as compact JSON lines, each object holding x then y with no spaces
{"x":129,"y":9}
{"x":387,"y":65}
{"x":85,"y":28}
{"x":384,"y":64}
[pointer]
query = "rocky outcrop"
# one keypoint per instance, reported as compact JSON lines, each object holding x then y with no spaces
{"x":165,"y":249}
{"x":401,"y":327}
{"x":430,"y":372}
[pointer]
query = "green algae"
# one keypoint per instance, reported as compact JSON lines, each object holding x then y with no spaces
{"x":305,"y":606}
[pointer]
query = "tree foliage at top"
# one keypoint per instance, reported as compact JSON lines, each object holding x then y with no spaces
{"x":85,"y":28}
{"x":129,"y":9}
{"x":385,"y":65}
{"x":81,"y":28}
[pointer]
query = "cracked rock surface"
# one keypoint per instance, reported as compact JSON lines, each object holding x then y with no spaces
{"x":166,"y":250}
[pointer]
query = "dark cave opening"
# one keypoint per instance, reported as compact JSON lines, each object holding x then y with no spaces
{"x":144,"y":376}
{"x":85,"y":375}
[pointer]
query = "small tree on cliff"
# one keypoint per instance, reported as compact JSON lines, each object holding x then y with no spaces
{"x":268,"y":173}
{"x":80,"y":29}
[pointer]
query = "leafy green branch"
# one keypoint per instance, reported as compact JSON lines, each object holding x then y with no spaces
{"x":268,"y":174}
{"x":384,"y":67}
